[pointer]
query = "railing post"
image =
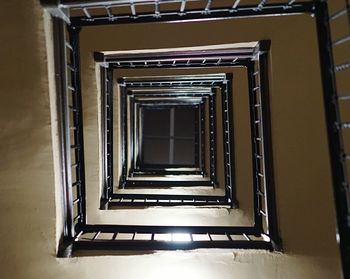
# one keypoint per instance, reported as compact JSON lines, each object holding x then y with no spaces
{"x":78,"y":121}
{"x":334,"y":133}
{"x":270,"y":196}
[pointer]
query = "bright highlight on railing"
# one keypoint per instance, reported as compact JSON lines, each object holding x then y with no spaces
{"x":181,"y":237}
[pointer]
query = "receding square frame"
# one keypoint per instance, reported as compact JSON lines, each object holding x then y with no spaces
{"x":182,"y":82}
{"x":143,"y":112}
{"x":175,"y":95}
{"x":263,"y":234}
{"x":214,"y":85}
{"x":265,"y":225}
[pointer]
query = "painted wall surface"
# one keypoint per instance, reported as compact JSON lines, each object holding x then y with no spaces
{"x":27,"y":191}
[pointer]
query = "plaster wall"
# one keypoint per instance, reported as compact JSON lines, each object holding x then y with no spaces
{"x":27,"y":191}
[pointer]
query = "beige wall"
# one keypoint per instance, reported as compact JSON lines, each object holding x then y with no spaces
{"x":27,"y":192}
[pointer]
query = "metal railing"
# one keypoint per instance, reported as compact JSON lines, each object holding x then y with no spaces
{"x":334,"y":76}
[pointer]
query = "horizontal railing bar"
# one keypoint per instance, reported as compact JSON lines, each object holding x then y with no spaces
{"x":246,"y":237}
{"x":235,"y":4}
{"x":78,"y":4}
{"x":256,"y":88}
{"x":342,"y":67}
{"x":76,"y":218}
{"x":208,"y":6}
{"x":197,"y":14}
{"x":199,"y":60}
{"x":343,"y":98}
{"x":75,"y":146}
{"x":341,"y":40}
{"x":169,"y":245}
{"x":260,"y":193}
{"x":170,"y":66}
{"x":167,"y":197}
{"x":345,"y":125}
{"x":115,"y":204}
{"x":132,"y":9}
{"x":346,"y":186}
{"x":70,"y":67}
{"x":96,"y":235}
{"x":71,"y":88}
{"x":109,"y":12}
{"x":346,"y":156}
{"x":170,"y":229}
{"x":76,"y":200}
{"x":86,"y":12}
{"x":339,"y":14}
{"x":68,"y":45}
{"x":176,"y":78}
{"x":261,"y":4}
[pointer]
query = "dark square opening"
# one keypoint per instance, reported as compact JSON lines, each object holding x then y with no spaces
{"x":169,"y":135}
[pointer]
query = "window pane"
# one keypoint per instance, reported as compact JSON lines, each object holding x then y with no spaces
{"x":156,"y":121}
{"x":155,"y":151}
{"x":185,"y":117}
{"x":169,"y":135}
{"x":184,"y":152}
